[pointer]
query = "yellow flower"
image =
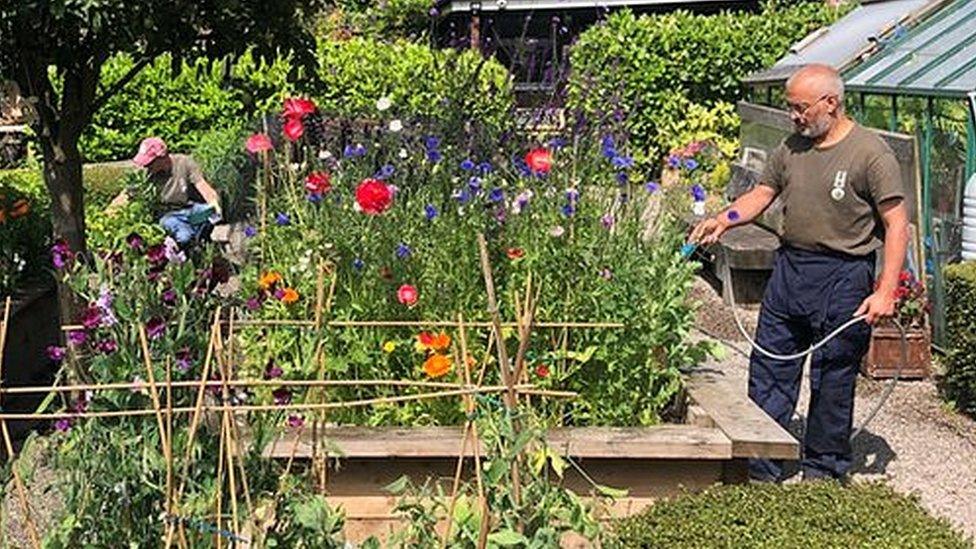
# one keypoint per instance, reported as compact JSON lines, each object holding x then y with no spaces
{"x":389,"y":346}
{"x":437,"y":365}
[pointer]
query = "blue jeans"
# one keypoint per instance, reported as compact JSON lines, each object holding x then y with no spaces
{"x":808,"y":296}
{"x":186,"y":224}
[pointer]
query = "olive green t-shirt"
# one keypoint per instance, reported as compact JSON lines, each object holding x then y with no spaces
{"x":178,"y":186}
{"x":831,"y":194}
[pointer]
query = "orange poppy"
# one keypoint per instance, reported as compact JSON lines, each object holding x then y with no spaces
{"x":515,"y":253}
{"x":433,"y":342}
{"x":269,"y":279}
{"x":19,"y":209}
{"x":437,"y":365}
{"x":289,"y":295}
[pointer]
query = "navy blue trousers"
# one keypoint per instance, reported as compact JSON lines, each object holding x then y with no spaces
{"x":809,"y":295}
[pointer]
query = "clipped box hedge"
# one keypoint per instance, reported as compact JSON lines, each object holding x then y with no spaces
{"x":959,"y":384}
{"x":819,"y":514}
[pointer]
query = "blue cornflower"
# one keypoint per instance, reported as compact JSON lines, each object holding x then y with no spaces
{"x":698,"y":192}
{"x":467,"y":165}
{"x":434,"y":155}
{"x":250,"y":231}
{"x":282,"y":219}
{"x":475,"y":184}
{"x":358,"y":264}
{"x":691,"y":163}
{"x":622,"y":162}
{"x":496,"y":195}
{"x":485,"y":168}
{"x":622,"y":178}
{"x":385,"y":172}
{"x":568,"y":210}
{"x":432,"y":142}
{"x":430,"y":212}
{"x":652,"y":187}
{"x":403,"y":251}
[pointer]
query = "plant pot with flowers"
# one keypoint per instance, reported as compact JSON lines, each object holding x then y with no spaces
{"x":885,"y":356}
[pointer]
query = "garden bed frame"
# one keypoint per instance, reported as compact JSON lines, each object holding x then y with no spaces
{"x":723,"y":428}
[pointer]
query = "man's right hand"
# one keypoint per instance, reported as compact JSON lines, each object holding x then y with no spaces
{"x":708,"y":231}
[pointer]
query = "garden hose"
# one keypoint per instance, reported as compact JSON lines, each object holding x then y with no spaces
{"x":726,"y":278}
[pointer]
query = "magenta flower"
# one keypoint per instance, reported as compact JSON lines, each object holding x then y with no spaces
{"x":156,"y":254}
{"x":282,"y":396}
{"x":184,"y":359}
{"x":91,"y":318}
{"x":77,"y":337}
{"x":258,"y":143}
{"x":253,"y":304}
{"x":135,"y":241}
{"x":56,"y":353}
{"x":61,"y":254}
{"x":107,"y":346}
{"x":607,"y":221}
{"x":169,"y":298}
{"x":63,"y":425}
{"x":272,"y":370}
{"x":295,"y":421}
{"x":155,"y":327}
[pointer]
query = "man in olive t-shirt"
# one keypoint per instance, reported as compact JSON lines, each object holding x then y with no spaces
{"x":191,"y":203}
{"x":843,"y":200}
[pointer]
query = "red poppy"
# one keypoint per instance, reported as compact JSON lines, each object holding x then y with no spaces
{"x":539,"y":160}
{"x":515,"y":253}
{"x":407,"y":295}
{"x":318,"y":182}
{"x":258,"y":143}
{"x":294,"y":129}
{"x":542,"y":370}
{"x":904,"y":276}
{"x":373,"y":196}
{"x":297,"y":107}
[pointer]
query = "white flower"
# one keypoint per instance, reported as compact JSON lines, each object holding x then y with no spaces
{"x":403,"y":153}
{"x":383,"y":103}
{"x":324,"y":154}
{"x":698,"y":208}
{"x":396,"y":125}
{"x":295,"y":166}
{"x":557,"y":231}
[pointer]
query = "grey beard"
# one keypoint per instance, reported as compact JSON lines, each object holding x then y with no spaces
{"x":815,"y":130}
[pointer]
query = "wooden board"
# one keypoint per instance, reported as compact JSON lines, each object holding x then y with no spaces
{"x":656,"y":442}
{"x":752,"y":432}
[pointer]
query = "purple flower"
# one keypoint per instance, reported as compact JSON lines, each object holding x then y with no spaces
{"x":430,"y":212}
{"x":279,"y":293}
{"x":607,"y":221}
{"x":608,"y":147}
{"x":732,"y":215}
{"x":557,"y":143}
{"x":63,"y":425}
{"x":385,"y":172}
{"x":282,"y":219}
{"x":358,"y":264}
{"x":354,"y":151}
{"x":184,"y":359}
{"x":652,"y":187}
{"x":568,"y":210}
{"x":91,"y":318}
{"x":521,"y":201}
{"x":691,"y":163}
{"x":250,"y":231}
{"x":434,"y":156}
{"x":496,"y":195}
{"x":172,"y":251}
{"x":60,"y":254}
{"x":572,"y":195}
{"x":135,"y":241}
{"x":500,"y":215}
{"x":282,"y":396}
{"x":622,"y":162}
{"x":485,"y":168}
{"x":674,"y":161}
{"x":475,"y":184}
{"x":169,"y":298}
{"x":253,"y":304}
{"x":402,"y":251}
{"x":107,"y":346}
{"x":698,"y":192}
{"x":56,"y":353}
{"x":272,"y":370}
{"x":432,"y":143}
{"x":433,"y":12}
{"x":77,"y":337}
{"x":314,"y":198}
{"x":467,"y":165}
{"x":156,"y":254}
{"x":155,"y":327}
{"x":622,"y":178}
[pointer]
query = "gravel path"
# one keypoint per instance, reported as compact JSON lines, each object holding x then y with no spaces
{"x":915,"y":443}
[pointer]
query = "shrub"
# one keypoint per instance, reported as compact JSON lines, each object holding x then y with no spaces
{"x":959,"y":383}
{"x":25,"y":229}
{"x":822,"y":514}
{"x":655,"y":70}
{"x":227,"y":167}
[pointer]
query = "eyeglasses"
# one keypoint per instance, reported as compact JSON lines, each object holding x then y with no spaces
{"x":802,"y":111}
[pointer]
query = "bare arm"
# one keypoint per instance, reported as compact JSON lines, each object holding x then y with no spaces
{"x":745,"y":208}
{"x":209,"y":194}
{"x":882,"y":302}
{"x":120,"y":200}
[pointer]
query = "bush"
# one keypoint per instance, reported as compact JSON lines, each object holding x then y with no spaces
{"x":227,"y":167}
{"x":655,"y":70}
{"x":959,"y":384}
{"x":25,"y":229}
{"x":822,"y":514}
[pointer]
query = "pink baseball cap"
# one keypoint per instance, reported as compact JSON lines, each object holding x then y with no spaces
{"x":150,"y":149}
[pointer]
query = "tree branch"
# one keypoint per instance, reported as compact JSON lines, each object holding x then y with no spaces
{"x":100,"y":101}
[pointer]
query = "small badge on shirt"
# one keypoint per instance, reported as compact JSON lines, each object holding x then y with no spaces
{"x":840,"y":179}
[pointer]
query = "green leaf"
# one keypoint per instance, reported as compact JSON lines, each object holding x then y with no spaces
{"x":398,"y":486}
{"x":615,"y":493}
{"x":507,"y":538}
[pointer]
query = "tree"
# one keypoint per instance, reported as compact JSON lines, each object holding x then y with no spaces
{"x":55,"y":49}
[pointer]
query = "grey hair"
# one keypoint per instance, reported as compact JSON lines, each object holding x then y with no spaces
{"x":829,"y":79}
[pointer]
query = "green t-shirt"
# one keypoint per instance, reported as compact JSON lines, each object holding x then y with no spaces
{"x":178,"y":185}
{"x":831,"y":195}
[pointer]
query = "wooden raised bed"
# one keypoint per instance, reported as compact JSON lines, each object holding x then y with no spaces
{"x":723,"y":429}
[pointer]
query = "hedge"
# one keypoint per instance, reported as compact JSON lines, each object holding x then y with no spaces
{"x":181,"y":102}
{"x":818,"y":514}
{"x":959,"y":383}
{"x":25,"y":229}
{"x":656,"y":70}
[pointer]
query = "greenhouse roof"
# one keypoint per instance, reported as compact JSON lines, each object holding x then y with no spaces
{"x":937,"y":57}
{"x":845,"y":40}
{"x":455,"y":6}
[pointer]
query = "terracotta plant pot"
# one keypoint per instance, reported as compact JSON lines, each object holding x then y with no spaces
{"x":884,"y":354}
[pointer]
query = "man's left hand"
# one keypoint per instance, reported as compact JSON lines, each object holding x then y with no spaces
{"x":880,"y":304}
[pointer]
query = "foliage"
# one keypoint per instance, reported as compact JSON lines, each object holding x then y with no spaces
{"x":24,"y":229}
{"x":228,"y":169}
{"x":652,"y":70}
{"x":959,"y":382}
{"x":385,"y":20}
{"x":820,"y":514}
{"x":912,"y":306}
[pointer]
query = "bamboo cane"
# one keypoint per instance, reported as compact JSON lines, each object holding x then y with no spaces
{"x":130,"y":386}
{"x":154,"y":394}
{"x":169,"y":437}
{"x":18,"y":482}
{"x":226,"y":418}
{"x":220,"y":486}
{"x":401,"y":324}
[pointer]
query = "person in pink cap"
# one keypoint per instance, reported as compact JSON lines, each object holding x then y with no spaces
{"x":192,"y":205}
